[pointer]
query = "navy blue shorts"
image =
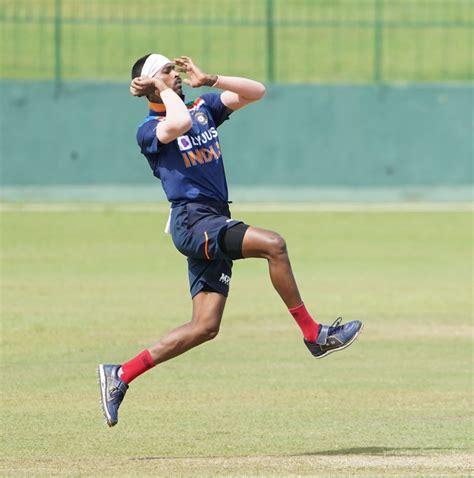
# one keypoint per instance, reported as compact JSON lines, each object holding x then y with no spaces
{"x":196,"y":229}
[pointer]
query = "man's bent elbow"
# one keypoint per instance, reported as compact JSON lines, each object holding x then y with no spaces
{"x":258,"y":92}
{"x":261,"y":91}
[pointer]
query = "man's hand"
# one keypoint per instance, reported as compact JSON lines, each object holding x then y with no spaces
{"x":147,"y":86}
{"x":197,"y":77}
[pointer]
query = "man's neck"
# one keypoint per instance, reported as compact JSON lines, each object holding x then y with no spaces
{"x":156,"y":107}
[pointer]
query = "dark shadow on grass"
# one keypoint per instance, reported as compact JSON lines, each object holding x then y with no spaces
{"x":377,"y":450}
{"x":370,"y":450}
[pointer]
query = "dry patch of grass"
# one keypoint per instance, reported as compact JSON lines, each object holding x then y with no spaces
{"x":331,"y":464}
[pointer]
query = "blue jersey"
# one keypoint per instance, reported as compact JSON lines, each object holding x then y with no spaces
{"x":190,"y":167}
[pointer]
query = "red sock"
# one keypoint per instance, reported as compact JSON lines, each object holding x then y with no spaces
{"x":307,"y":325}
{"x":135,"y":367}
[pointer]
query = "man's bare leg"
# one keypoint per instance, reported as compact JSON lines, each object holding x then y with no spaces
{"x":271,"y":246}
{"x":208,"y":308}
{"x":321,"y":340}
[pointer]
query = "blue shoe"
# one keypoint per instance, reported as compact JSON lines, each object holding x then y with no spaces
{"x":335,"y":337}
{"x":112,"y":391}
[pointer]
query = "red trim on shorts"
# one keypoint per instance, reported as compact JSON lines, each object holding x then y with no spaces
{"x":206,"y":245}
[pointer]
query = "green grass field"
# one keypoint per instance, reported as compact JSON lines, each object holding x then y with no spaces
{"x":89,"y":286}
{"x":313,"y":40}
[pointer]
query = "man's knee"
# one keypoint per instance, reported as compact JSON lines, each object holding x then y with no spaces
{"x":206,"y":329}
{"x":276,"y":245}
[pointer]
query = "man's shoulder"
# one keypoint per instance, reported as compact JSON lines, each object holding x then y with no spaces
{"x":146,"y":135}
{"x":203,"y":100}
{"x":148,"y":126}
{"x":150,"y":122}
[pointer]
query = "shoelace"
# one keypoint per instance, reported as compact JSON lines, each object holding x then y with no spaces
{"x":334,"y":327}
{"x":115,"y":392}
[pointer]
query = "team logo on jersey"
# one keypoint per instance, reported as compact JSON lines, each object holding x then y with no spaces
{"x":201,"y":117}
{"x":184,"y":143}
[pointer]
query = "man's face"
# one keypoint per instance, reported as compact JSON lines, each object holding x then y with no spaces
{"x":171,"y":78}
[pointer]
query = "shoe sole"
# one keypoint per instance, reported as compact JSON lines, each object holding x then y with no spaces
{"x":103,"y":390}
{"x":344,"y":346}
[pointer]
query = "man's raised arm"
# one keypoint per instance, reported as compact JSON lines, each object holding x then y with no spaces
{"x":178,"y":120}
{"x":238,"y":91}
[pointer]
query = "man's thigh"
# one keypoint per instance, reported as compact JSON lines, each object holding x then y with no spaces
{"x":210,"y":276}
{"x":208,"y":307}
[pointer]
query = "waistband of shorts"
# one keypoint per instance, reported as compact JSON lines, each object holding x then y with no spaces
{"x":210,"y":202}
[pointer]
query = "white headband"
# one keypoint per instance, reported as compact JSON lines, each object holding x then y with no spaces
{"x":153,"y":64}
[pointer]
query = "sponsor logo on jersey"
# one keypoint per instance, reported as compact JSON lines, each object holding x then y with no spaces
{"x":199,"y":149}
{"x":204,"y":137}
{"x":184,"y":142}
{"x":225,"y":279}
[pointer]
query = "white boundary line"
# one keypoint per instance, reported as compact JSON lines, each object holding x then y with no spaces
{"x":241,"y":207}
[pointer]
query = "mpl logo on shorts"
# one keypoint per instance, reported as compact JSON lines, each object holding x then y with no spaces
{"x":184,"y":143}
{"x":225,"y":279}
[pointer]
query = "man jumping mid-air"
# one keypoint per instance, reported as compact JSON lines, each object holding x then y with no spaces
{"x":181,"y":144}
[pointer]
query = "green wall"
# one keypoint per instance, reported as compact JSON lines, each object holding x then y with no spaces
{"x":307,"y":136}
